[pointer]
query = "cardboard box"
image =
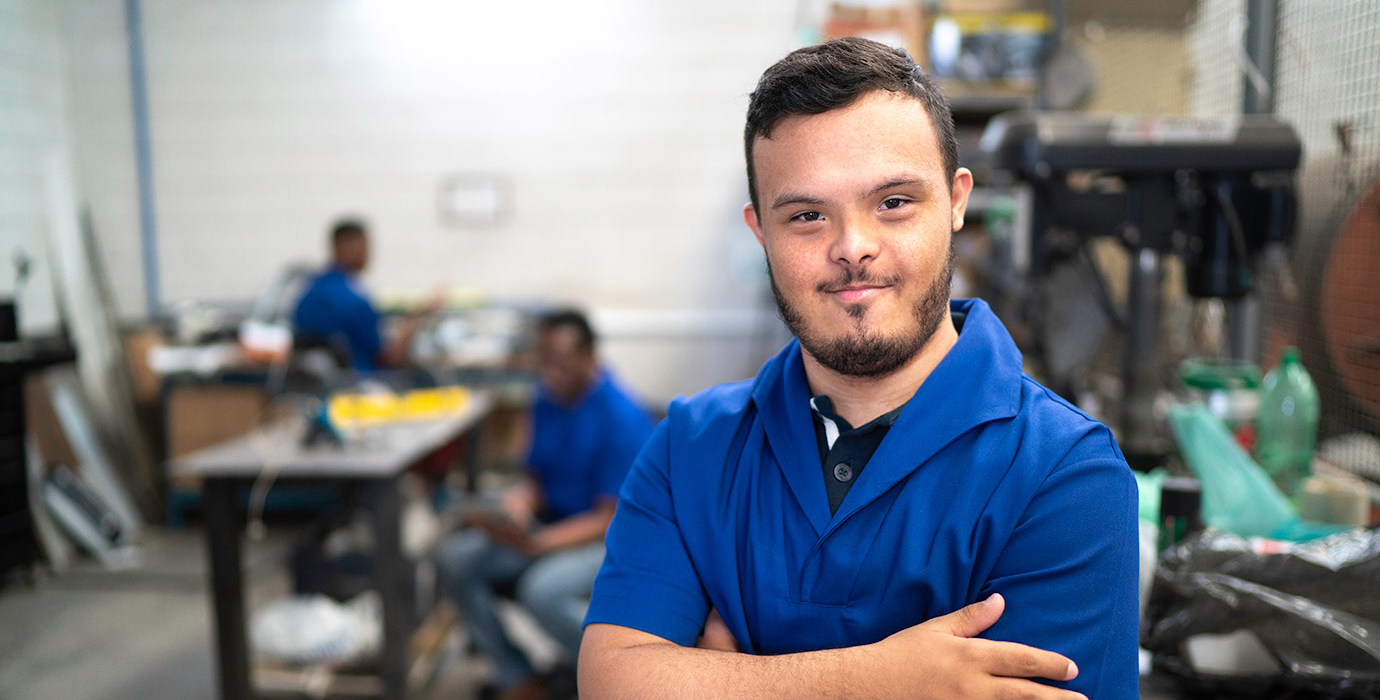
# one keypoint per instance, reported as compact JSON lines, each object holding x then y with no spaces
{"x":203,"y":415}
{"x":138,"y":343}
{"x":43,"y":426}
{"x":901,"y":24}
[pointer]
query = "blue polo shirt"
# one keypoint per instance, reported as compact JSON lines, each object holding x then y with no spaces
{"x":336,"y":307}
{"x":986,"y":483}
{"x":582,"y":452}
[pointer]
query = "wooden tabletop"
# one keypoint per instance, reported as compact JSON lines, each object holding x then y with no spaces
{"x":378,"y":451}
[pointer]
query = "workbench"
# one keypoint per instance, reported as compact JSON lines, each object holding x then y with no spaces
{"x":367,"y":467}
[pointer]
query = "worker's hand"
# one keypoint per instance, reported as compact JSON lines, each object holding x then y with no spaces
{"x":504,"y":531}
{"x":716,"y":635}
{"x":946,"y":660}
{"x":520,"y":504}
{"x":438,"y":300}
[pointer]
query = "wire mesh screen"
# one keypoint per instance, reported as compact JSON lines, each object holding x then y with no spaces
{"x":1215,"y":40}
{"x":1327,"y":302}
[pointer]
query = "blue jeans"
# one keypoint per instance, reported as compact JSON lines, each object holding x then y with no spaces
{"x":554,"y":588}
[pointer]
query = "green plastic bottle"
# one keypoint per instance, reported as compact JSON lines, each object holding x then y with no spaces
{"x":1287,"y":423}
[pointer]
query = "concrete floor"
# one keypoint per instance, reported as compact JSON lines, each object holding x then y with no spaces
{"x":146,"y":632}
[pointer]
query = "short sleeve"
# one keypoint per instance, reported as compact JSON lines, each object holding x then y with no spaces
{"x":648,"y":581}
{"x":362,"y":328}
{"x":1069,"y":574}
{"x":628,"y":436}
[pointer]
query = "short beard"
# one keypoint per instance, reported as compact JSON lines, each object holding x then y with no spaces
{"x":869,"y":354}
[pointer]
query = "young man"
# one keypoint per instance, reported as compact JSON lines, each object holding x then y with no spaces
{"x":586,"y":430}
{"x":336,"y":309}
{"x":891,"y":508}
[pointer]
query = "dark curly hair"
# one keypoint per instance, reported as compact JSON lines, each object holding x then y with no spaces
{"x":816,"y":79}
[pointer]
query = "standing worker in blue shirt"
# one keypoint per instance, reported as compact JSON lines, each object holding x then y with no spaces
{"x":891,"y":508}
{"x":549,"y":536}
{"x":336,"y":309}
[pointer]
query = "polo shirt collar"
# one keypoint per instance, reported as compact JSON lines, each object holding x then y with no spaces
{"x":601,"y":380}
{"x":782,"y":398}
{"x":977,"y":381}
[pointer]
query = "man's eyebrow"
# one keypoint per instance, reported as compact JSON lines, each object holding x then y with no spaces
{"x":903,"y":181}
{"x":786,"y":199}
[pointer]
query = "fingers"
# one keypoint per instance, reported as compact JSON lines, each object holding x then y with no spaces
{"x":1013,"y":689}
{"x":1020,"y":661}
{"x":971,"y":620}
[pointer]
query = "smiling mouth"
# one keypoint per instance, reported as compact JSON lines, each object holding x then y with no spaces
{"x":856,"y":287}
{"x":857,"y":294}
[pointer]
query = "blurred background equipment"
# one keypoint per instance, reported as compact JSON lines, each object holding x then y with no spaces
{"x":1215,"y":191}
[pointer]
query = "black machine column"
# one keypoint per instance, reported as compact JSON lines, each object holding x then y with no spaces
{"x":1215,"y":192}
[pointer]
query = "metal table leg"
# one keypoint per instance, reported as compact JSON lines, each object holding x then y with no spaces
{"x":471,"y":458}
{"x":393,"y":579}
{"x":227,"y":588}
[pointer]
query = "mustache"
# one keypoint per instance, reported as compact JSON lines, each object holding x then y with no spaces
{"x":858,"y":276}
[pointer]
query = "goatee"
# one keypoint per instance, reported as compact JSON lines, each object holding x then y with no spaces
{"x":864,"y":352}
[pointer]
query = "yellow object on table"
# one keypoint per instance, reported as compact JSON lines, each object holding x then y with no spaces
{"x":360,"y":410}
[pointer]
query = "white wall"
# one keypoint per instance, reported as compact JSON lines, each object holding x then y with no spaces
{"x":33,"y":123}
{"x":617,"y":121}
{"x":102,"y":126}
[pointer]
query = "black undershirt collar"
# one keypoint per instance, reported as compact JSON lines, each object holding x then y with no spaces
{"x":844,"y":450}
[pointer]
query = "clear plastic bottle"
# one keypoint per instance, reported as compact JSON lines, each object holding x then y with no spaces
{"x":1287,"y":423}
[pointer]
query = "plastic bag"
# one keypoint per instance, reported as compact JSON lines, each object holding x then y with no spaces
{"x":1315,"y":607}
{"x":308,"y":629}
{"x":1238,"y":496}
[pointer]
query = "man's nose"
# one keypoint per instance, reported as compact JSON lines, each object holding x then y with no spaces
{"x":856,"y":243}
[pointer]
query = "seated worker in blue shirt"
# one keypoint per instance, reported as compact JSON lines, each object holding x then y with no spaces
{"x":549,"y":537}
{"x":891,"y":508}
{"x":335,"y":308}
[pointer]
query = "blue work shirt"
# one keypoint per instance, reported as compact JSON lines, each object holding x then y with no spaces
{"x":582,"y":452}
{"x":986,"y":483}
{"x":335,"y":307}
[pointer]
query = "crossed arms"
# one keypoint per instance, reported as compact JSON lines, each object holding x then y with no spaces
{"x":940,"y":658}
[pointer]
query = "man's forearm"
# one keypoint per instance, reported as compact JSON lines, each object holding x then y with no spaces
{"x":660,"y":669}
{"x":574,"y":531}
{"x":940,"y":659}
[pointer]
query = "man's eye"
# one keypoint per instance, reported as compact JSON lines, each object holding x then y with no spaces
{"x":807,"y":216}
{"x":893,"y":203}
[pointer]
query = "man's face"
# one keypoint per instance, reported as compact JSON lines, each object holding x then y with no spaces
{"x":856,"y":219}
{"x":352,"y":252}
{"x":566,"y":369}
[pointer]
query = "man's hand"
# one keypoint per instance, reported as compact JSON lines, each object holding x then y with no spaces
{"x":520,"y":503}
{"x":502,"y":530}
{"x":944,"y":656}
{"x":435,"y":302}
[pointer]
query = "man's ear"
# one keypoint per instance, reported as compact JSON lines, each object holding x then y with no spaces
{"x":753,"y":222}
{"x":962,"y":187}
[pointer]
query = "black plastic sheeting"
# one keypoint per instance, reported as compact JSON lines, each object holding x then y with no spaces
{"x":1315,"y":607}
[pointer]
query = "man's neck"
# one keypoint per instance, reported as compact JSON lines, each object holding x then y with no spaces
{"x":858,"y":400}
{"x":585,"y":389}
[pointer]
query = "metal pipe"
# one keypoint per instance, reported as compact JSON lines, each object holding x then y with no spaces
{"x":1244,"y":315}
{"x":1244,"y":327}
{"x":143,"y":156}
{"x":1262,"y":24}
{"x":1140,"y":433}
